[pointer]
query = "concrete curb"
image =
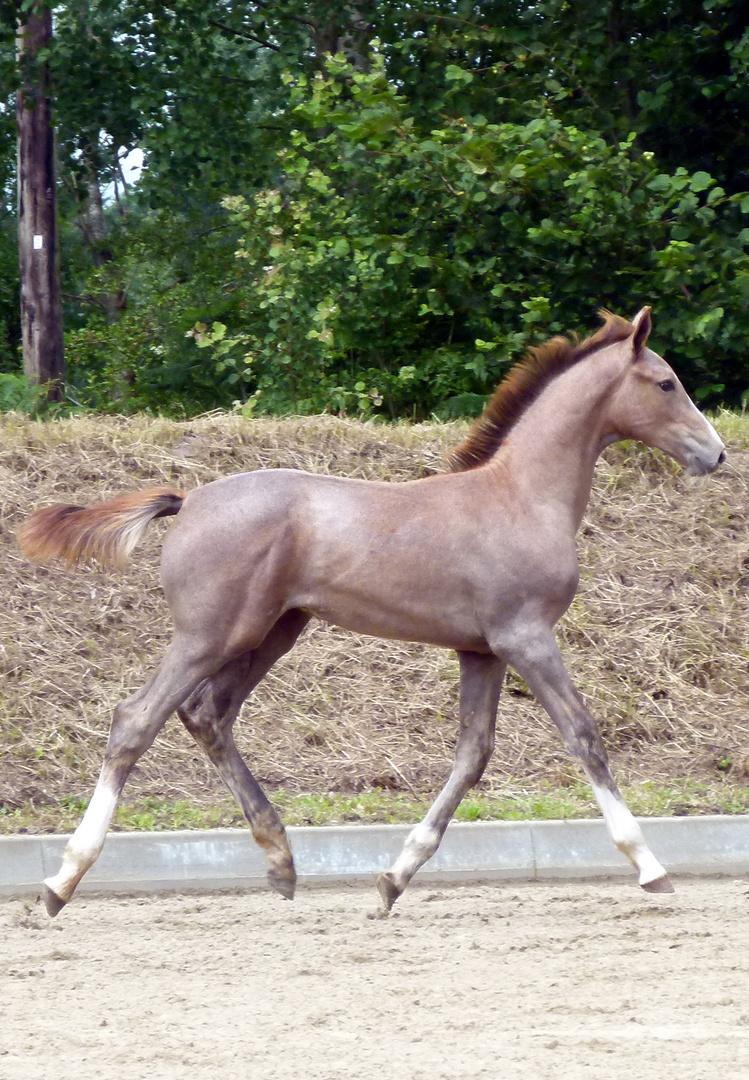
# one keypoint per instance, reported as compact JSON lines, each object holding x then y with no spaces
{"x":521,"y":850}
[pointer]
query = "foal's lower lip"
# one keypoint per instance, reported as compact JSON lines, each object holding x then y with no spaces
{"x":718,"y":462}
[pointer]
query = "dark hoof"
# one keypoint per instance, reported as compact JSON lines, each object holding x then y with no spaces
{"x":285,"y":884}
{"x":659,"y":884}
{"x":389,"y":891}
{"x":53,"y":903}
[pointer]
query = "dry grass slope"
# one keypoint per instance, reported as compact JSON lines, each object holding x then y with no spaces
{"x":656,"y":640}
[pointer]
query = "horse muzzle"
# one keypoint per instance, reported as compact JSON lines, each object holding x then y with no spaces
{"x":698,"y":466}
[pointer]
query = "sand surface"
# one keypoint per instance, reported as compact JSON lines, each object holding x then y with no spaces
{"x":561,"y":981}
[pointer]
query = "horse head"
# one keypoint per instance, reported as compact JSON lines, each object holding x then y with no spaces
{"x":651,"y":405}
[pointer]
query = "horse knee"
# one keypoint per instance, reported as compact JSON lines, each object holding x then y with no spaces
{"x":131,"y":733}
{"x":124,"y":728}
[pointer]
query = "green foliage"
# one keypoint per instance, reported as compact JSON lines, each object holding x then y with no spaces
{"x":397,"y":247}
{"x":398,"y":270}
{"x":171,"y":272}
{"x":17,"y":394}
{"x":9,"y":295}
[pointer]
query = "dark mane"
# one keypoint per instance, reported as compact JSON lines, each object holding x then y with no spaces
{"x":523,"y":384}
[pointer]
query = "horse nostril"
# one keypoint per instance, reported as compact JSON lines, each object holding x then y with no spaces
{"x":722,"y":457}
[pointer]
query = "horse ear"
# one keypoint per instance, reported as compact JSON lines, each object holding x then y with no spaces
{"x":643,"y":326}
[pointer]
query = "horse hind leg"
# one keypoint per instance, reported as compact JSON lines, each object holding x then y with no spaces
{"x":480,"y":684}
{"x":135,"y":724}
{"x":209,"y":714}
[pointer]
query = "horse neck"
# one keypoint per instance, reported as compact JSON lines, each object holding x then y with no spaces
{"x":552,"y":450}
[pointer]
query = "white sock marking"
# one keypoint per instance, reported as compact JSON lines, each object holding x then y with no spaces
{"x":86,"y":843}
{"x":627,"y":835}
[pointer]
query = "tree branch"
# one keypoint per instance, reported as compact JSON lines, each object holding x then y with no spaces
{"x":243,"y":34}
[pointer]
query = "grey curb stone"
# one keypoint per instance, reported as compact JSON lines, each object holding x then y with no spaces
{"x":520,"y":850}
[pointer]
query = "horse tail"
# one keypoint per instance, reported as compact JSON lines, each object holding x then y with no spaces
{"x":106,"y":532}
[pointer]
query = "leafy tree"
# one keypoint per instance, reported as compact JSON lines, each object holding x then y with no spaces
{"x":673,"y":72}
{"x":403,"y":269}
{"x":212,"y":112}
{"x":626,"y":119}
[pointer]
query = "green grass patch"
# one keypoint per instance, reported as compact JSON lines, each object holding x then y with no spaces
{"x":686,"y":797}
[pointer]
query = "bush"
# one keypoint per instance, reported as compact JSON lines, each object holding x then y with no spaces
{"x":398,"y":267}
{"x":402,"y":271}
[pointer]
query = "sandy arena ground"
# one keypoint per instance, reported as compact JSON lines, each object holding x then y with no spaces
{"x":561,"y":981}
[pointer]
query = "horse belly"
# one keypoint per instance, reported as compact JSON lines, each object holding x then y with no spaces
{"x":399,"y":609}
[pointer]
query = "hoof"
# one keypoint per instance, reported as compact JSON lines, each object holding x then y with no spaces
{"x":389,"y":891}
{"x":283,"y":883}
{"x":53,"y":903}
{"x":659,"y":884}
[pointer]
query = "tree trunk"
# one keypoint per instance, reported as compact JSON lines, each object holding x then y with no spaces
{"x":41,"y":302}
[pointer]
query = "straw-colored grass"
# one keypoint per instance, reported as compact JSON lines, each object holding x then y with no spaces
{"x":656,"y":639}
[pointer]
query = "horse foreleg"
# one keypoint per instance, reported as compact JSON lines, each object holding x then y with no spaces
{"x":541,"y":665}
{"x":209,"y":714}
{"x":135,"y":724}
{"x":480,"y":684}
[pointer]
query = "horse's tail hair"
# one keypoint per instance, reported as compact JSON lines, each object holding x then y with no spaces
{"x":106,"y":532}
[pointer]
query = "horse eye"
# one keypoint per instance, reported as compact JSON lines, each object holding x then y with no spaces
{"x":667,"y":384}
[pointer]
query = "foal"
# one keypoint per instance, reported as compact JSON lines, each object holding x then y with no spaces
{"x":481,"y":560}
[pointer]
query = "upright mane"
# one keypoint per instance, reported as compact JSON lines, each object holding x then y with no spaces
{"x":523,"y":384}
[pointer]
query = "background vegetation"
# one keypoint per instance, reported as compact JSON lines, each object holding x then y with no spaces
{"x":357,"y":729}
{"x":373,"y":208}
